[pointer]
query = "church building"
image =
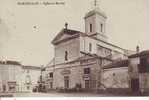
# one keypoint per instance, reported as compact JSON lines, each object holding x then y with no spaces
{"x":79,"y":57}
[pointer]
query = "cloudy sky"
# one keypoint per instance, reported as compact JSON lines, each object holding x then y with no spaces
{"x":26,"y":31}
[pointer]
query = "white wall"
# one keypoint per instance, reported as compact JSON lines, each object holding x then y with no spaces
{"x":84,"y":45}
{"x":88,"y":21}
{"x":72,"y":47}
{"x":100,"y":20}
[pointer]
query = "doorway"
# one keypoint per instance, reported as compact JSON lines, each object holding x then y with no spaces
{"x":87,"y":84}
{"x":135,"y":85}
{"x":66,"y":82}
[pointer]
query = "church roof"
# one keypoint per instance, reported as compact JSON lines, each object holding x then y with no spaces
{"x":95,"y":56}
{"x":74,"y":33}
{"x":69,"y":32}
{"x":96,"y":11}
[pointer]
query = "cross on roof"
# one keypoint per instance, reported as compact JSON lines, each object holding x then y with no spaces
{"x":95,"y":3}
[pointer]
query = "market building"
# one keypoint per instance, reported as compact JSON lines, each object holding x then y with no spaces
{"x":15,"y":77}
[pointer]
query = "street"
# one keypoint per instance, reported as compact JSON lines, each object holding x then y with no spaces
{"x":57,"y":95}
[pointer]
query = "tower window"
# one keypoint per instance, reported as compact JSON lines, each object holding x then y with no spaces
{"x":66,"y":55}
{"x":101,"y":26}
{"x":90,"y":47}
{"x":91,"y":28}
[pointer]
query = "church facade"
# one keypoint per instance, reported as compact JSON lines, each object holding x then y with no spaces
{"x":80,"y":57}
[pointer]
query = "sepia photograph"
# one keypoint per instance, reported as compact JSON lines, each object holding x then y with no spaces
{"x":74,"y":48}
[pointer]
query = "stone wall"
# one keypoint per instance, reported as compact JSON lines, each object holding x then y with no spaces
{"x":116,"y":77}
{"x":144,"y":80}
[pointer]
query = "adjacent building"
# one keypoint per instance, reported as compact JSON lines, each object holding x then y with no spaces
{"x":115,"y":75}
{"x":139,"y":71}
{"x":9,"y":76}
{"x":130,"y":73}
{"x":15,"y":77}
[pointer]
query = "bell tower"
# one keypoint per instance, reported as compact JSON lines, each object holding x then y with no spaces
{"x":95,"y":23}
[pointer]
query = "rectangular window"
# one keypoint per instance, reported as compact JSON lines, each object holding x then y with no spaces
{"x":51,"y":75}
{"x":90,"y":47}
{"x":86,"y":70}
{"x":66,"y":55}
{"x":91,"y":28}
{"x":101,"y":26}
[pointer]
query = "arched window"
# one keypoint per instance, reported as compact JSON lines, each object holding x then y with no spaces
{"x":66,"y":55}
{"x":90,"y":47}
{"x":101,"y":26}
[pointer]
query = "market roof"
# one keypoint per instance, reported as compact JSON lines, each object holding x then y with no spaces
{"x":10,"y":62}
{"x":31,"y":67}
{"x":140,"y":54}
{"x":117,"y":64}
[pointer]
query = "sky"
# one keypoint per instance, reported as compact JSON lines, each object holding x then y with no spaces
{"x":26,"y":31}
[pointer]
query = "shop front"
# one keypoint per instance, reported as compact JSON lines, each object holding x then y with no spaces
{"x":12,"y":86}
